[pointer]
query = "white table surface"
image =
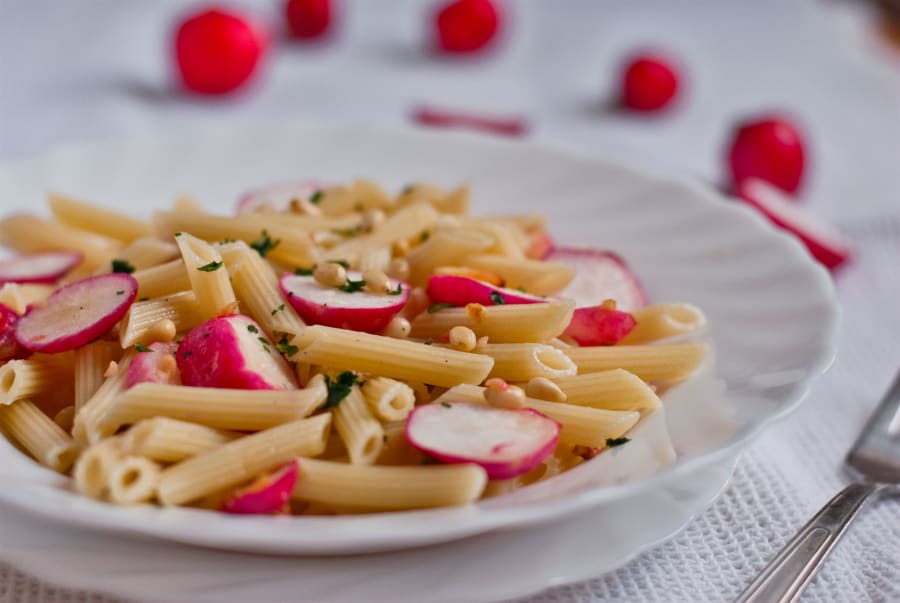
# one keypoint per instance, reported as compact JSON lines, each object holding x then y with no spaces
{"x":97,"y":69}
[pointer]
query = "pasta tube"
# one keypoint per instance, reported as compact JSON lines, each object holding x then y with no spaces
{"x":93,"y":218}
{"x":512,"y":323}
{"x":132,"y":480}
{"x":360,"y":431}
{"x":616,"y":389}
{"x":209,"y":279}
{"x":524,"y":361}
{"x":664,"y":320}
{"x":674,"y":362}
{"x":39,"y":435}
{"x":170,"y":440}
{"x":389,"y":399}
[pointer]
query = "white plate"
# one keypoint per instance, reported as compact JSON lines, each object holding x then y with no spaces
{"x":772,"y":310}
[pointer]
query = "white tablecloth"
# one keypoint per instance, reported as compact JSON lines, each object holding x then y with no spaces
{"x":97,"y":69}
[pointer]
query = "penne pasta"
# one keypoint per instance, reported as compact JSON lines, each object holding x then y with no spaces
{"x":38,"y":435}
{"x":163,"y":279}
{"x":242,"y":459}
{"x":404,"y":224}
{"x":21,"y":379}
{"x":510,"y":323}
{"x":208,"y":275}
{"x":444,"y":248}
{"x":534,"y":276}
{"x":389,"y":399}
{"x":139,"y":323}
{"x":360,"y":431}
{"x":374,"y":488}
{"x":133,"y":479}
{"x":524,"y":361}
{"x":674,"y":362}
{"x":93,"y":218}
{"x":147,"y":252}
{"x":93,"y":468}
{"x":615,"y":389}
{"x":169,"y":440}
{"x":349,"y":350}
{"x":91,"y":363}
{"x":87,"y":427}
{"x":18,"y":296}
{"x":31,"y":234}
{"x":662,"y":321}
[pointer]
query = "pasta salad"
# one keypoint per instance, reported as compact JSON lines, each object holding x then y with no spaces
{"x":325,"y":349}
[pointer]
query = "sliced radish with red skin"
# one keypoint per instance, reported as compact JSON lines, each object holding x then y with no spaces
{"x":461,"y":290}
{"x":359,"y":311}
{"x":77,"y":313}
{"x":824,"y":243}
{"x":599,"y":275}
{"x":45,"y":267}
{"x":266,"y":495}
{"x":9,"y":347}
{"x":158,"y":365}
{"x":279,"y":196}
{"x":599,"y":326}
{"x":505,"y":443}
{"x":539,"y":245}
{"x":232,"y":352}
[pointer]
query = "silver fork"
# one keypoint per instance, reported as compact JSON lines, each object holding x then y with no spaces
{"x":875,"y":460}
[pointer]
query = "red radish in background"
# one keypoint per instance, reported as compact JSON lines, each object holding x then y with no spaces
{"x":217,"y":51}
{"x":461,"y":290}
{"x":232,"y":352}
{"x":824,"y":243}
{"x":267,"y":495}
{"x":154,"y":364}
{"x":466,"y":25}
{"x":505,"y":443}
{"x":649,"y":83}
{"x":600,"y":325}
{"x":9,"y":347}
{"x":770,"y":149}
{"x":77,"y":313}
{"x":347,"y":308}
{"x":278,"y":196}
{"x":599,"y":275}
{"x":308,"y":19}
{"x":441,"y":118}
{"x":45,"y":267}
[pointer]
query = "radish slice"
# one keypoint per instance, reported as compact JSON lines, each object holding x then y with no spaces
{"x":9,"y":347}
{"x":599,"y":326}
{"x":539,"y":245}
{"x":462,"y":290}
{"x":44,"y":267}
{"x":505,"y":443}
{"x":358,"y":311}
{"x":232,"y":352}
{"x":278,"y":196}
{"x":599,"y":275}
{"x":266,"y":495}
{"x":824,"y":243}
{"x":77,"y":313}
{"x":155,"y":365}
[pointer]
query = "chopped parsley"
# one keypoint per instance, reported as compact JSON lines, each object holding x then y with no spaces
{"x":316,"y":197}
{"x":265,"y":343}
{"x":446,"y":405}
{"x":177,"y":234}
{"x":304,"y":271}
{"x":612,"y":442}
{"x":433,"y":308}
{"x":396,"y":291}
{"x":186,"y":354}
{"x":264,"y":244}
{"x":429,"y":341}
{"x":122,"y":266}
{"x":286,"y":348}
{"x":226,"y":241}
{"x":497,"y":298}
{"x":407,"y":189}
{"x":353,"y":286}
{"x":351,"y":231}
{"x":343,"y":263}
{"x":278,"y":309}
{"x":252,"y":329}
{"x":339,"y":388}
{"x":143,"y":299}
{"x":120,"y":292}
{"x":211,"y":267}
{"x":424,"y":236}
{"x":141,"y":348}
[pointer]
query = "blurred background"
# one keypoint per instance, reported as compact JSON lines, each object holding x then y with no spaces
{"x":106,"y":68}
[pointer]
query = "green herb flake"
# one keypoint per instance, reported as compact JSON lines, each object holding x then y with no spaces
{"x":144,"y":299}
{"x":339,"y":388}
{"x":211,"y":267}
{"x":343,"y":263}
{"x":304,"y":271}
{"x":141,"y":348}
{"x":316,"y":197}
{"x":613,"y":442}
{"x":265,"y":343}
{"x":278,"y":309}
{"x":177,"y":234}
{"x":521,"y":289}
{"x":429,"y":341}
{"x":353,"y":286}
{"x":424,"y":236}
{"x":396,"y":291}
{"x":446,"y":405}
{"x":286,"y":348}
{"x":227,"y":241}
{"x":264,"y":244}
{"x":407,"y":189}
{"x":434,"y":308}
{"x":120,"y":292}
{"x":252,"y":329}
{"x":122,"y":266}
{"x":352,"y":231}
{"x":186,"y":354}
{"x":497,"y":298}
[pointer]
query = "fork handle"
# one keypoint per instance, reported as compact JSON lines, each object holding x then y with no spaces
{"x":790,"y":571}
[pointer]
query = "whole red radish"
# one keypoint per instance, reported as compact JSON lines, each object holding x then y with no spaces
{"x":824,"y":243}
{"x":350,"y":307}
{"x":649,"y":83}
{"x":308,"y":18}
{"x":232,"y":352}
{"x":266,"y":495}
{"x":154,"y":364}
{"x":600,"y":325}
{"x":770,"y":148}
{"x":77,"y":313}
{"x":466,"y":25}
{"x":505,"y":443}
{"x":46,"y":267}
{"x":9,"y":347}
{"x":217,"y":51}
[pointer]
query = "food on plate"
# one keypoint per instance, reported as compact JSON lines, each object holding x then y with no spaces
{"x":327,"y":349}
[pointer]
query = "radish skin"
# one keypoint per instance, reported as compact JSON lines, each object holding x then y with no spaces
{"x":45,"y":267}
{"x":267,"y":495}
{"x":232,"y":352}
{"x":77,"y":313}
{"x":505,"y":443}
{"x":9,"y":347}
{"x":317,"y":304}
{"x":156,"y":366}
{"x":599,"y":275}
{"x":599,"y":326}
{"x":461,"y":290}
